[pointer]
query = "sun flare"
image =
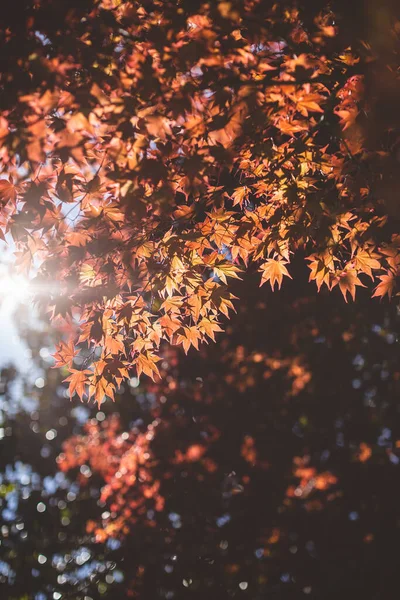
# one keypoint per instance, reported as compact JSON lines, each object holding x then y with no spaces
{"x":15,"y":289}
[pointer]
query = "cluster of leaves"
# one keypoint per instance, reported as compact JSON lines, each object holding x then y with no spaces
{"x":152,"y":151}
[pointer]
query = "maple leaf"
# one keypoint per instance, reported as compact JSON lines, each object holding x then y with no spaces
{"x":65,"y":354}
{"x":172,"y":304}
{"x":366,"y":261}
{"x":77,"y":238}
{"x":221,"y":299}
{"x":209,"y":328}
{"x":273,"y":271}
{"x":190,"y":336}
{"x":114,"y":344}
{"x":322,"y":267}
{"x":171,"y":284}
{"x":290,"y":127}
{"x":8,"y":191}
{"x":347,"y":280}
{"x":87,"y":275}
{"x":170,"y":324}
{"x":240,"y":195}
{"x":195,"y":305}
{"x":308,"y":102}
{"x":99,"y":386}
{"x":77,"y":382}
{"x":347,"y":116}
{"x":386,"y":286}
{"x":184,"y":212}
{"x":226,"y":270}
{"x":146,"y":363}
{"x":114,"y":213}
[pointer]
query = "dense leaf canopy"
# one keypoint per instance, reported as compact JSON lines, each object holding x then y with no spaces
{"x":153,"y":151}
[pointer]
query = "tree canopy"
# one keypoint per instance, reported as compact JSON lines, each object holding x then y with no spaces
{"x":153,"y":151}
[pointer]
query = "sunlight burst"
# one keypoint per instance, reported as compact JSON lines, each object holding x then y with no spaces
{"x":15,"y":287}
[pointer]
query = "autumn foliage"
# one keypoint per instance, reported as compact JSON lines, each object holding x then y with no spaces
{"x":153,"y":151}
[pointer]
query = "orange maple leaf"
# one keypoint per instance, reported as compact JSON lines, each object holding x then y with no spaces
{"x":273,"y":271}
{"x":146,"y":363}
{"x":77,"y":381}
{"x":322,"y":266}
{"x":8,"y":191}
{"x":224,"y":270}
{"x":99,"y":387}
{"x":65,"y":354}
{"x":209,"y":328}
{"x":348,"y":281}
{"x":386,"y":286}
{"x":240,"y":195}
{"x":189,"y":337}
{"x":366,"y":261}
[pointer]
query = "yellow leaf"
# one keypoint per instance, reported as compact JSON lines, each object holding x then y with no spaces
{"x":226,"y":270}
